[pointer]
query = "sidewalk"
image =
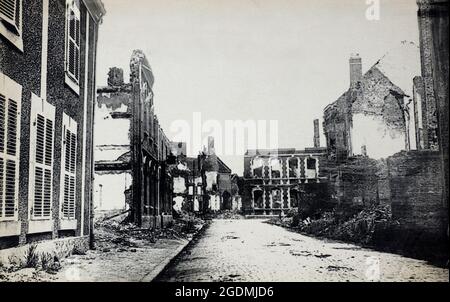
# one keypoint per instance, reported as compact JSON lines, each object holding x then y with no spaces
{"x":121,"y":265}
{"x":123,"y":254}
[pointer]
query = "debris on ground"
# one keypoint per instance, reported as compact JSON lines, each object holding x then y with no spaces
{"x":118,"y":233}
{"x":113,"y":234}
{"x":227,"y":214}
{"x":336,"y":224}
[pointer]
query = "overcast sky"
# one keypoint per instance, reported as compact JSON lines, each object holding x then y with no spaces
{"x":279,"y":60}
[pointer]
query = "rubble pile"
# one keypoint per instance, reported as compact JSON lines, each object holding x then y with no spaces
{"x":336,"y":224}
{"x":117,"y":232}
{"x":228,"y":214}
{"x":361,"y":227}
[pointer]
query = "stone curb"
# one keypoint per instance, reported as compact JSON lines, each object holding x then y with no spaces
{"x":156,"y":271}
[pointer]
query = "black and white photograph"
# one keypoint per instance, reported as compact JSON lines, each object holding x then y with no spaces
{"x":213,"y":141}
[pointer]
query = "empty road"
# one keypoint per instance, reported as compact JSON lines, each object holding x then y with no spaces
{"x":251,"y":250}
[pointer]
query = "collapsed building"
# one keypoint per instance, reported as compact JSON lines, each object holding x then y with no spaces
{"x":387,"y":137}
{"x":374,"y":117}
{"x":187,"y":184}
{"x":372,"y":120}
{"x":131,"y":148}
{"x":203,"y":184}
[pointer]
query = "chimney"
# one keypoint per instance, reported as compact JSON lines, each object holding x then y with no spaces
{"x":211,"y":150}
{"x":115,"y":77}
{"x":355,"y":69}
{"x":316,"y":134}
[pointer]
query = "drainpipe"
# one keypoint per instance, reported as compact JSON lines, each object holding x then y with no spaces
{"x":91,"y":199}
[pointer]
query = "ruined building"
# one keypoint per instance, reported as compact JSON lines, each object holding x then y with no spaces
{"x":187,"y":184}
{"x":204,"y":183}
{"x":47,"y":92}
{"x":179,"y":148}
{"x":131,"y":148}
{"x":113,"y":176}
{"x":375,"y":116}
{"x":419,"y":178}
{"x":274,"y":179}
{"x":434,"y":46}
{"x":217,"y":178}
{"x":387,"y":137}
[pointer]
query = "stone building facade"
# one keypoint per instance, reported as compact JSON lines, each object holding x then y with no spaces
{"x":131,"y":161}
{"x":274,"y":179}
{"x":48,"y":54}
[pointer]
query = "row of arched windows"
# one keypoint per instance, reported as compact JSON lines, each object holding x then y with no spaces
{"x":276,"y":167}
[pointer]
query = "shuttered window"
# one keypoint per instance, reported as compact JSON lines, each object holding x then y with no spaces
{"x":73,"y":40}
{"x":41,"y":158}
{"x":11,"y":14}
{"x":68,"y":168}
{"x":10,"y":98}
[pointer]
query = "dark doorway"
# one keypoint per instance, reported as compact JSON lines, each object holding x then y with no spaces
{"x":258,"y":199}
{"x":294,"y":198}
{"x":226,"y":201}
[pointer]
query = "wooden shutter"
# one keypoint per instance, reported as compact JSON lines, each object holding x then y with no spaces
{"x":41,"y":158}
{"x":10,"y":100}
{"x":73,"y":40}
{"x":10,"y":11}
{"x":68,"y":168}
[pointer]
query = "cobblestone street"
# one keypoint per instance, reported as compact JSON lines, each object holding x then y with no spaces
{"x":251,"y":250}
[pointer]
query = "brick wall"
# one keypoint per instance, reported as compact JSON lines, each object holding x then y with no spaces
{"x":421,"y":219}
{"x":359,"y":181}
{"x":416,"y":185}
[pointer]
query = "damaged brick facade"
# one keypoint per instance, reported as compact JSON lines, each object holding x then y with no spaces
{"x":359,"y":182}
{"x":132,"y":161}
{"x":419,"y":179}
{"x":430,"y":118}
{"x":375,"y":111}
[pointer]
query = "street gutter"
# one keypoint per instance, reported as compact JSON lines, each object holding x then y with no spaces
{"x":170,"y":260}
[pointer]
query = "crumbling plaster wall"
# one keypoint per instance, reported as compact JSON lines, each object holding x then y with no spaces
{"x":378,"y":118}
{"x":374,"y":113}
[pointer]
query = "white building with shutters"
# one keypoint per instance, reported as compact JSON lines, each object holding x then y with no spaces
{"x":47,"y":96}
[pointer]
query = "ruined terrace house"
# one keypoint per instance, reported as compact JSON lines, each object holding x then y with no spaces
{"x":47,"y":92}
{"x":131,"y":149}
{"x":273,"y":179}
{"x":375,"y":116}
{"x":217,"y":180}
{"x":188,"y":184}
